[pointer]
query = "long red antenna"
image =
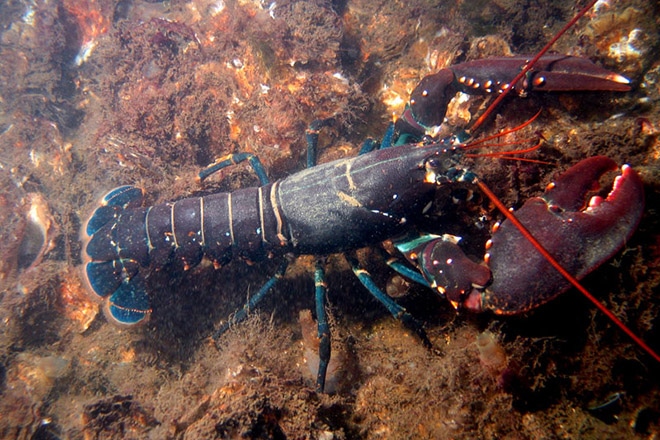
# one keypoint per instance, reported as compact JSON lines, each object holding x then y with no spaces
{"x":477,"y":143}
{"x":528,"y":235}
{"x":523,"y":230}
{"x":529,"y":66}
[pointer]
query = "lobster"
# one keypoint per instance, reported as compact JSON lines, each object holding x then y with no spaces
{"x":361,"y":201}
{"x":364,"y":200}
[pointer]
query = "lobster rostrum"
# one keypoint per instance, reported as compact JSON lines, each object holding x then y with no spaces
{"x":357,"y":202}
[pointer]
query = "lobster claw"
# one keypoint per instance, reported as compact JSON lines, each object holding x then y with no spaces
{"x":580,"y":236}
{"x":444,"y":265}
{"x":561,"y":73}
{"x":552,"y":73}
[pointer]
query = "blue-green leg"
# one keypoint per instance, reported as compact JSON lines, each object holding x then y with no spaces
{"x":323,"y":327}
{"x":404,"y":270}
{"x":388,"y":138}
{"x":312,"y":136}
{"x":395,"y":309}
{"x":370,"y":145}
{"x":252,"y":303}
{"x":233,"y":159}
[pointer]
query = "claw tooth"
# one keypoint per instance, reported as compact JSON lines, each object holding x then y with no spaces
{"x":618,"y":78}
{"x":617,"y":180}
{"x":594,"y":202}
{"x":539,"y":82}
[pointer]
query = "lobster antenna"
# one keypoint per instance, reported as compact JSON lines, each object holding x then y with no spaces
{"x":529,"y":66}
{"x":476,"y":144}
{"x":507,"y":154}
{"x":543,"y":251}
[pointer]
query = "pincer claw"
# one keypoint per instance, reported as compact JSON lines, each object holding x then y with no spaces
{"x":551,"y":73}
{"x":580,"y":235}
{"x":562,"y":73}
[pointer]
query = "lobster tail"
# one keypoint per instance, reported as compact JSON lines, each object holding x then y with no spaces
{"x":111,"y":271}
{"x":129,"y":304}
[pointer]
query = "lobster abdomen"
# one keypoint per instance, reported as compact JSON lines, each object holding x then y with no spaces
{"x":122,"y":238}
{"x":182,"y":232}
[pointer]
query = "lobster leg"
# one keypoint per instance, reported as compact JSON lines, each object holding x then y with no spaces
{"x":386,"y":142}
{"x":403,"y":270}
{"x":369,"y":145}
{"x":252,"y":302}
{"x":323,"y":332}
{"x":312,"y":137}
{"x":397,"y":311}
{"x":233,"y":159}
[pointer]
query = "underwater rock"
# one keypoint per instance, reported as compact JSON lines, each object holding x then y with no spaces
{"x":492,"y":356}
{"x":397,"y":286}
{"x":27,"y":233}
{"x":117,"y":417}
{"x":30,"y":378}
{"x":38,"y":236}
{"x":626,"y":36}
{"x":78,"y":307}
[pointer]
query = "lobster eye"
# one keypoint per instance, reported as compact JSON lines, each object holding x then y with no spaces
{"x":431,"y":166}
{"x":433,"y":163}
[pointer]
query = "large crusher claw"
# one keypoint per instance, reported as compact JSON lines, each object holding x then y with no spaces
{"x":581,"y":235}
{"x":515,"y":277}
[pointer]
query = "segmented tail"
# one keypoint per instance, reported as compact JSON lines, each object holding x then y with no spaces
{"x":114,"y":277}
